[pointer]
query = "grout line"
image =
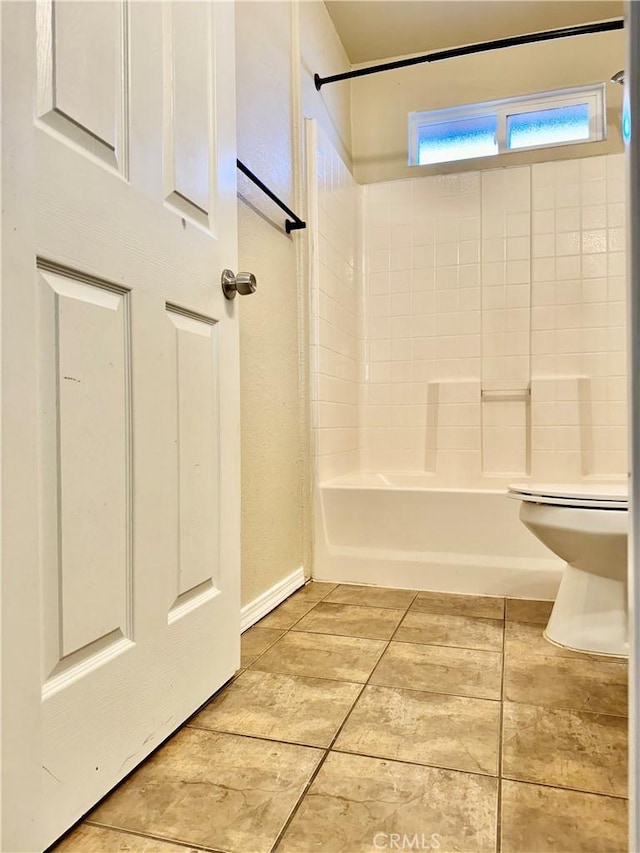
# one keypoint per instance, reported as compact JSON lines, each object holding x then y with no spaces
{"x":569,"y":710}
{"x":458,"y":615}
{"x":279,"y":627}
{"x":343,"y":751}
{"x":388,"y":643}
{"x":297,"y":630}
{"x":390,"y":640}
{"x":370,"y":606}
{"x":263,"y":738}
{"x":361,"y":606}
{"x":298,"y":803}
{"x":387,"y":686}
{"x":548,"y":785}
{"x":335,"y":737}
{"x":161,"y":838}
{"x":265,"y":650}
{"x":431,"y":693}
{"x":575,"y":657}
{"x":367,"y":682}
{"x":445,"y":646}
{"x":300,"y":675}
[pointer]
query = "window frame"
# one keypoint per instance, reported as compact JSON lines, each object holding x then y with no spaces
{"x":593,"y":94}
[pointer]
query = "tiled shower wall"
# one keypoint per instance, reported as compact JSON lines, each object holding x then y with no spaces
{"x":335,"y":334}
{"x":494,"y":312}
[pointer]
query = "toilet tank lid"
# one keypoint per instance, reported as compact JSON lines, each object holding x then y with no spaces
{"x":600,"y":492}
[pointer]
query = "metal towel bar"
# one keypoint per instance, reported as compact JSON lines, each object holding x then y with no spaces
{"x":293,"y":224}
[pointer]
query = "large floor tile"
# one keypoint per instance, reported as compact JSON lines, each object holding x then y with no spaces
{"x":568,"y":749}
{"x":558,"y":682}
{"x":445,"y":629}
{"x":439,"y":669}
{"x":356,"y":804}
{"x":216,"y":790}
{"x":313,"y":591}
{"x":282,"y":707}
{"x":526,"y":610}
{"x":427,"y":728}
{"x":99,"y":839}
{"x":255,"y":641}
{"x":372,"y":596}
{"x":350,"y":620}
{"x":550,"y":820}
{"x":525,"y":640}
{"x":288,"y":613}
{"x":322,"y":656}
{"x":460,"y":605}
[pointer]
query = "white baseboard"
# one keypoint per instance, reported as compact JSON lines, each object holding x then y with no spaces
{"x":270,"y":598}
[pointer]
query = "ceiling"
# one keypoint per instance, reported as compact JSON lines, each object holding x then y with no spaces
{"x":371,"y":30}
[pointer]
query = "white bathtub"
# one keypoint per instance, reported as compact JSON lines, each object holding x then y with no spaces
{"x":403,"y":530}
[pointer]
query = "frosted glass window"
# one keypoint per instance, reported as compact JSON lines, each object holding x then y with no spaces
{"x":548,"y":127}
{"x":562,"y":117}
{"x":458,"y":140}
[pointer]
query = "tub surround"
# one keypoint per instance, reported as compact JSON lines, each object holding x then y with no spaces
{"x":484,"y":337}
{"x":480,"y":341}
{"x":336,"y":308}
{"x":494,"y":324}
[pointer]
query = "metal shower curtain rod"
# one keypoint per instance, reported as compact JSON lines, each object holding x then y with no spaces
{"x":293,"y":224}
{"x":482,"y":47}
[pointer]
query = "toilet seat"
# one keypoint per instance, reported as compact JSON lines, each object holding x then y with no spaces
{"x":583,"y":495}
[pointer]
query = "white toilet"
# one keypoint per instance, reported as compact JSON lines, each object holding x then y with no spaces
{"x":586,"y":525}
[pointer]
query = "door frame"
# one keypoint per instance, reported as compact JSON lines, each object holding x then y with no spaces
{"x":632,"y":15}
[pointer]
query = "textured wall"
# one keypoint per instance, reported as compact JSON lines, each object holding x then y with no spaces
{"x":279,"y":47}
{"x":382,"y":102}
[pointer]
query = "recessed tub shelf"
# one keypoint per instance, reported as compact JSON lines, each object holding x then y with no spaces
{"x":499,"y":391}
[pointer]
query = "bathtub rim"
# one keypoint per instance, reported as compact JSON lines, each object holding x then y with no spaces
{"x":343,"y":482}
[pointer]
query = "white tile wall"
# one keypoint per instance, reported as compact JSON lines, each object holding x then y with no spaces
{"x":485,"y":339}
{"x":578,"y":311}
{"x":422,"y":318}
{"x":506,"y":275}
{"x":503,"y":281}
{"x":335,"y":333}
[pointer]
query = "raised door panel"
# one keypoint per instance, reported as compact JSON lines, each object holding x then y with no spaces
{"x":86,"y":516}
{"x":188,"y":115}
{"x":82,"y":76}
{"x":197,"y":451}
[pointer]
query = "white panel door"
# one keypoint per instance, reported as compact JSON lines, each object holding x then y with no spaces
{"x":120,"y":393}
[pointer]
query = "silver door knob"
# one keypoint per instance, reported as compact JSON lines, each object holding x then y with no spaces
{"x":244,"y":283}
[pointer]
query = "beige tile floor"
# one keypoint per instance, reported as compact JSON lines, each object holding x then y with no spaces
{"x":369,"y":719}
